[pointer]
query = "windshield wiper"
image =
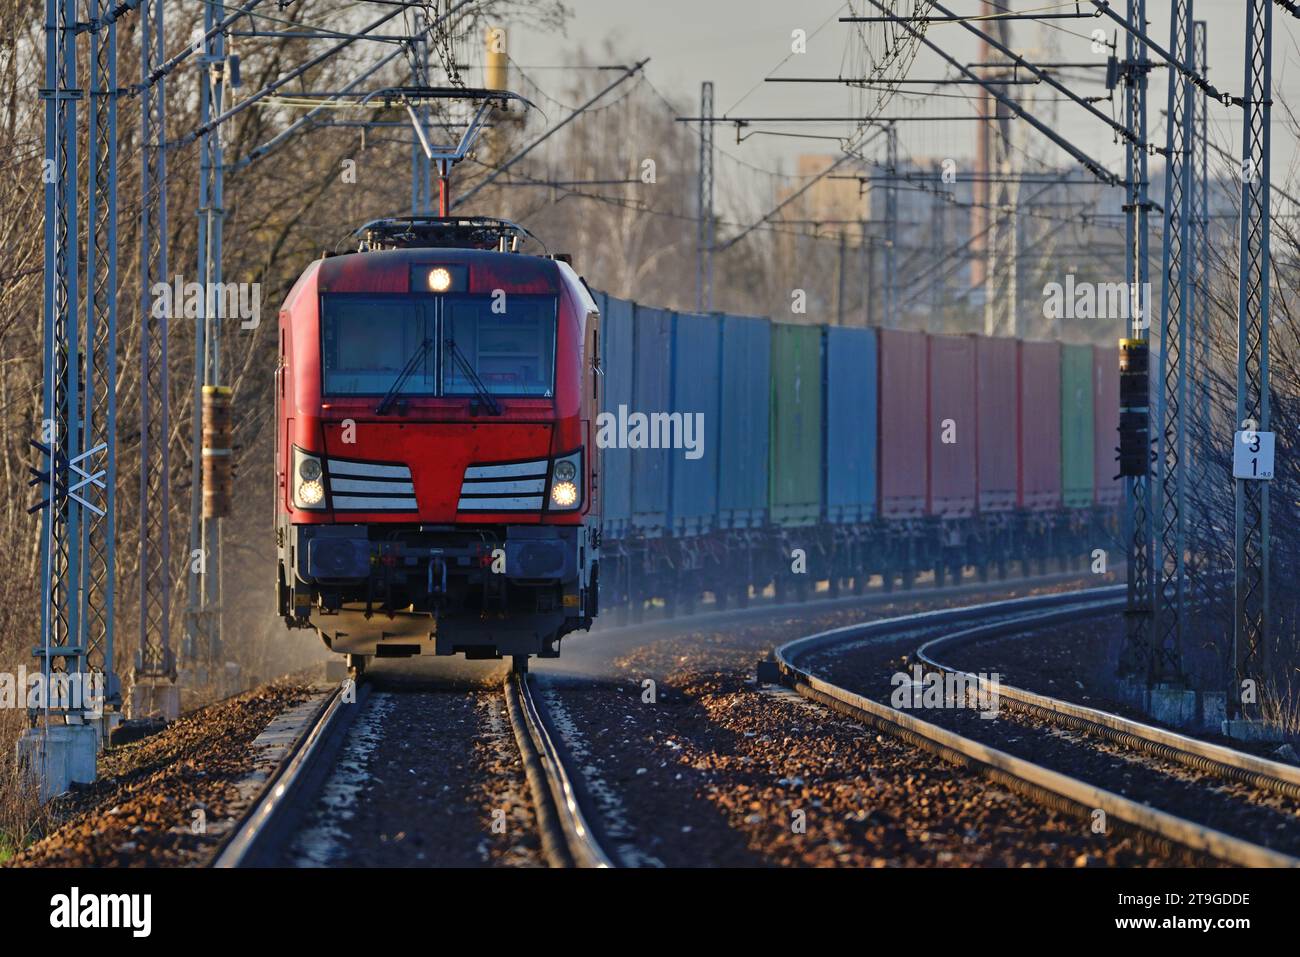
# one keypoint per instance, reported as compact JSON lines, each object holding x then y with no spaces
{"x":390,"y":396}
{"x":494,"y":408}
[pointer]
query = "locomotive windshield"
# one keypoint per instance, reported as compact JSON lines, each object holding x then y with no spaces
{"x":366,"y":341}
{"x":507,"y":342}
{"x":511,"y":346}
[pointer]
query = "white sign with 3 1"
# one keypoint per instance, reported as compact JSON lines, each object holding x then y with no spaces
{"x":1252,"y":455}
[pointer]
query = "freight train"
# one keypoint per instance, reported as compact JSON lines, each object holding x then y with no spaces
{"x":474,"y":449}
{"x":834,"y":454}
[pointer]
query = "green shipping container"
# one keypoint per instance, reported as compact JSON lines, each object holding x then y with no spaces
{"x":1077,"y":436}
{"x":795,"y":484}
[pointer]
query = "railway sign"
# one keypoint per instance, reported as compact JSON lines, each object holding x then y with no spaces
{"x":1252,"y":455}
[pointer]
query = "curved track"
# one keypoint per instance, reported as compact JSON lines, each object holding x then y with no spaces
{"x":1216,"y":759}
{"x":948,"y":627}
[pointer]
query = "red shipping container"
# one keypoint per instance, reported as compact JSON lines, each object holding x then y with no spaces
{"x":954,"y":431}
{"x":901,"y":435}
{"x":1039,"y":426}
{"x":1105,"y":397}
{"x":995,"y":385}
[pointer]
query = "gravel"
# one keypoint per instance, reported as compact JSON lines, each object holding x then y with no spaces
{"x":718,"y":772}
{"x":157,"y":800}
{"x":429,"y":776}
{"x":1260,"y":816}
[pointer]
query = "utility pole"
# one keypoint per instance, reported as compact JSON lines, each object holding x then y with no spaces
{"x":1250,"y":635}
{"x":704,"y":205}
{"x":421,"y":163}
{"x":937,"y":204}
{"x":1169,"y":612}
{"x":1200,"y":587}
{"x":870,"y":275}
{"x":1137,"y":658}
{"x":891,"y":228}
{"x":154,"y":679}
{"x":839,"y":286}
{"x":100,"y":415}
{"x":61,"y":647}
{"x":1001,"y":243}
{"x":210,"y":469}
{"x":979,"y":213}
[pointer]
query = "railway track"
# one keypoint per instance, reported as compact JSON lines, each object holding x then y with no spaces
{"x":565,"y":827}
{"x":263,"y":835}
{"x":260,"y":835}
{"x":568,"y":838}
{"x":565,"y":833}
{"x":798,"y":664}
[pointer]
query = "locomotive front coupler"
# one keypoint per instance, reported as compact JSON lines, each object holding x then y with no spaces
{"x":437,"y":581}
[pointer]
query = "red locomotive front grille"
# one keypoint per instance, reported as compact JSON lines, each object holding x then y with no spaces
{"x":437,"y":455}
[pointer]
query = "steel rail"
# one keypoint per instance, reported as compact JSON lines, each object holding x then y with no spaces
{"x":1216,"y":759}
{"x":263,"y":826}
{"x":1040,"y":782}
{"x":567,"y":838}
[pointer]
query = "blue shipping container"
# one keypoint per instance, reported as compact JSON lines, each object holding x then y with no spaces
{"x":741,"y":435}
{"x":651,"y":393}
{"x":616,"y":390}
{"x":694,"y":465}
{"x":850,"y":424}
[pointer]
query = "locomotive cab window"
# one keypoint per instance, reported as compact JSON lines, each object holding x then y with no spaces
{"x":367,"y":342}
{"x":511,"y":350}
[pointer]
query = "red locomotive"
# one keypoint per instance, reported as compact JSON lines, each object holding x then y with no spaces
{"x":435,"y":453}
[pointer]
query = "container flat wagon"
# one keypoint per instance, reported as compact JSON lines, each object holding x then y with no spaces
{"x":840,"y":454}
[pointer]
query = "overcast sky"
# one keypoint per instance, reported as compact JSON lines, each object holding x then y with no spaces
{"x":736,"y":43}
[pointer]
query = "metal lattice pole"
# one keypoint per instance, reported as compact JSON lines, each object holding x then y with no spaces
{"x":1136,"y":659}
{"x":1001,"y":281}
{"x":421,"y":164}
{"x":62,"y":647}
{"x":1251,"y":542}
{"x":937,"y":282}
{"x":1170,"y":543}
{"x":891,"y":228}
{"x":203,"y":579}
{"x":100,"y":554}
{"x":704,"y":233}
{"x":154,"y":659}
{"x":1200,"y":481}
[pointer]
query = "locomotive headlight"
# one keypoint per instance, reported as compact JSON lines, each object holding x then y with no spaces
{"x":564,"y":494}
{"x":308,"y":480}
{"x":311,"y":493}
{"x":566,"y":482}
{"x":439,"y":279}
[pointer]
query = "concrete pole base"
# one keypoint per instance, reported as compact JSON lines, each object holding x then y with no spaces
{"x":159,"y":696}
{"x":1176,"y":706}
{"x":1248,"y":729}
{"x":233,"y":679}
{"x":105,"y":725}
{"x":59,"y":756}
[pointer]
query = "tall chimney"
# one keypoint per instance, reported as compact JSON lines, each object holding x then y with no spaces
{"x":979,"y":214}
{"x":496,"y":66}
